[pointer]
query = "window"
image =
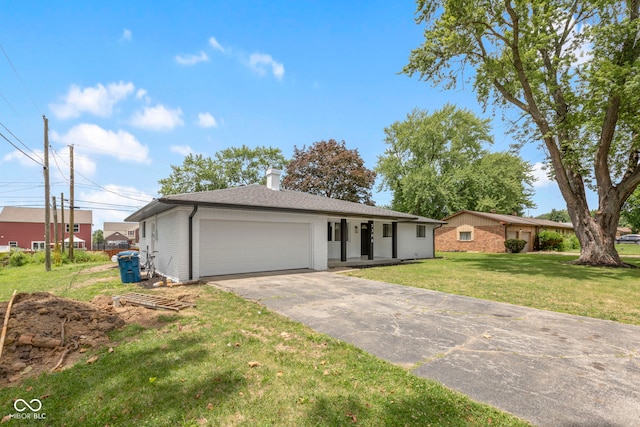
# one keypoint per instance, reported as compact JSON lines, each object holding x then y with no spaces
{"x":465,"y":236}
{"x":76,"y":228}
{"x":386,"y":230}
{"x":421,"y":231}
{"x":37,"y":246}
{"x":144,"y":229}
{"x":334,"y":231}
{"x":13,"y":244}
{"x":131,"y":233}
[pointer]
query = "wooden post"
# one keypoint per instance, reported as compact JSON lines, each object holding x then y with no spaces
{"x":71,"y":204}
{"x":47,"y":199}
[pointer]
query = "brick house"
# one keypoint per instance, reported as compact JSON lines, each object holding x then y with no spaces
{"x":24,"y":228}
{"x":470,"y":231}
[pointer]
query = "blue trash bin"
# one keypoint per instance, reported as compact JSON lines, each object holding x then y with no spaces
{"x":129,"y":263}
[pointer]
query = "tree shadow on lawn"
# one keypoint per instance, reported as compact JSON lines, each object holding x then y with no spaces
{"x":547,"y":266}
{"x":130,"y":387}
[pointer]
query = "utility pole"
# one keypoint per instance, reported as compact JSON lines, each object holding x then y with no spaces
{"x":62,"y":222}
{"x":71,"y":204}
{"x":47,"y":198}
{"x":55,"y":221}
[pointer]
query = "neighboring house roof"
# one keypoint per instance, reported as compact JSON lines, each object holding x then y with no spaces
{"x":120,"y":226}
{"x":116,"y":237}
{"x":514,"y":219}
{"x":17,"y":214}
{"x":259,"y":197}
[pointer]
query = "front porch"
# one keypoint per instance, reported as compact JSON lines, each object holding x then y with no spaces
{"x":363,"y":262}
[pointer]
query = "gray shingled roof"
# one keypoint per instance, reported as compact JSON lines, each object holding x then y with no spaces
{"x":258,"y":197}
{"x":515,"y":220}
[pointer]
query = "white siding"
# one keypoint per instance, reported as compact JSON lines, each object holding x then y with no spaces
{"x":412,"y":247}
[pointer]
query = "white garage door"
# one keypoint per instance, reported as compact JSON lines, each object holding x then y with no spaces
{"x":229,"y":247}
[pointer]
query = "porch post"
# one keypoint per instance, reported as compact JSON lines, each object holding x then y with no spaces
{"x":394,"y":239}
{"x":370,"y":256}
{"x":343,"y":240}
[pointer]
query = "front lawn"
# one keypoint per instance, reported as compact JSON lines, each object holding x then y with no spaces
{"x":543,"y":281}
{"x":226,"y":362}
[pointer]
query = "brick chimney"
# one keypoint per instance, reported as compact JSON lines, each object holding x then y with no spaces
{"x":273,"y":179}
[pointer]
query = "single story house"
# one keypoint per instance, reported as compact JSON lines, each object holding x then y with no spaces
{"x":128,"y":229}
{"x":471,"y":231}
{"x":258,"y":228}
{"x":24,"y":227}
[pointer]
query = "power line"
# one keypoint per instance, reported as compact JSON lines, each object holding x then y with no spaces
{"x":20,"y":79}
{"x":18,"y":139}
{"x":19,"y":149}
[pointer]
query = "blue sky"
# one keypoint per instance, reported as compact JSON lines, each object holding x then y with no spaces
{"x":135,"y":86}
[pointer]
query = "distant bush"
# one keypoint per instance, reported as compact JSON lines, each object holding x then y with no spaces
{"x":18,"y":259}
{"x":515,"y":245}
{"x":551,"y":241}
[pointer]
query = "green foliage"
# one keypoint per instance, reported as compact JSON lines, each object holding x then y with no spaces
{"x":551,"y":240}
{"x":98,"y":236}
{"x":570,"y":71}
{"x":18,"y":259}
{"x":631,"y":211}
{"x":571,"y":242}
{"x":515,"y":245}
{"x":556,"y":215}
{"x":330,"y":169}
{"x":232,"y":167}
{"x":436,"y":164}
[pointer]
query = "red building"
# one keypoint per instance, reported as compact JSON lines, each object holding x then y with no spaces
{"x":24,"y":228}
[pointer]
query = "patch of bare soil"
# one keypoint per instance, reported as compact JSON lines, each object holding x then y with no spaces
{"x":47,"y":333}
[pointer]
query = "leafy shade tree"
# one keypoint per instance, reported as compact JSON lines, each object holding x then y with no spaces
{"x":631,"y":211}
{"x":437,"y":164}
{"x":556,"y":215}
{"x":98,"y":237}
{"x":570,"y":69}
{"x":232,"y":167}
{"x":330,"y":169}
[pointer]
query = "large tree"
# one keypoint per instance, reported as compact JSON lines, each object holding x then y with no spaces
{"x":437,"y":164}
{"x":570,"y":69}
{"x":330,"y":169}
{"x":231,"y":167}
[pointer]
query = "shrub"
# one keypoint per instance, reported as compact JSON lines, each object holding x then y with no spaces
{"x":571,"y":242}
{"x":18,"y":259}
{"x":515,"y":245}
{"x":551,"y":240}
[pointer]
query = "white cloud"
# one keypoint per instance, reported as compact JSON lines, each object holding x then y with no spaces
{"x":158,"y":118}
{"x":92,"y":138}
{"x":214,"y":43}
{"x":183,"y":150}
{"x":17,"y":156}
{"x":260,"y":63}
{"x":206,"y":120}
{"x":541,"y":175}
{"x":192,"y":59}
{"x":126,"y":35}
{"x":98,"y":100}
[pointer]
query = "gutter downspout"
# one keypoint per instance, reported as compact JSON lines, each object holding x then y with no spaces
{"x":433,"y":232}
{"x":193,"y":213}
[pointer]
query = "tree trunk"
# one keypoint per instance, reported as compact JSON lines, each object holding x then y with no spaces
{"x":597,"y":236}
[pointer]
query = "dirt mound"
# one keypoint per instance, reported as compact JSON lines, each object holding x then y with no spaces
{"x":46,"y":332}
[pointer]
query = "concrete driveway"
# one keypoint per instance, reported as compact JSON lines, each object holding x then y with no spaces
{"x":548,"y":368}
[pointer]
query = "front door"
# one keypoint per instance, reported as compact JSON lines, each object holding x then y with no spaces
{"x":365,"y":239}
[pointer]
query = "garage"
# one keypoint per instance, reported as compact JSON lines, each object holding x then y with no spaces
{"x":229,"y":247}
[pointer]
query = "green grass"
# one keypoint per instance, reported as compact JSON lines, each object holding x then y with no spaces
{"x":196,"y":369}
{"x":543,"y":281}
{"x":628,"y":249}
